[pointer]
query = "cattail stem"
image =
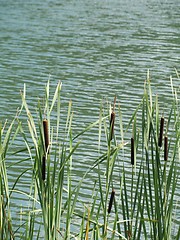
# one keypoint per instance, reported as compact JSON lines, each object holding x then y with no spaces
{"x":161,"y":132}
{"x":46,"y":135}
{"x":129,"y":235}
{"x":165,"y":148}
{"x":111,"y":201}
{"x":43,"y":167}
{"x":132,"y":151}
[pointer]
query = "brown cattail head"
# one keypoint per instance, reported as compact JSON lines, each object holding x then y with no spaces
{"x":132,"y":151}
{"x":112,"y":120}
{"x":112,"y":124}
{"x":165,"y":148}
{"x":161,"y":132}
{"x":43,"y":167}
{"x":111,"y":201}
{"x":46,"y":135}
{"x":150,"y":128}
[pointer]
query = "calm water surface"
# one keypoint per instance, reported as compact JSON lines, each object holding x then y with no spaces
{"x":96,"y":48}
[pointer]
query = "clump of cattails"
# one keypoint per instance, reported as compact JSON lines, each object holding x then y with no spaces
{"x":43,"y":167}
{"x":46,"y":135}
{"x":165,"y":148}
{"x":132,"y":151}
{"x":112,"y":120}
{"x":111,"y":201}
{"x":161,"y":132}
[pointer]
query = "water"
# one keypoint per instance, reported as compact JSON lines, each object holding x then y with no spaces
{"x":96,"y":48}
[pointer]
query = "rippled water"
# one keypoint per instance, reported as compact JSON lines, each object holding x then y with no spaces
{"x":96,"y":48}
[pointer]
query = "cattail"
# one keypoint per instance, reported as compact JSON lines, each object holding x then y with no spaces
{"x":132,"y":151}
{"x":46,"y":135}
{"x":43,"y":168}
{"x":150,"y":128}
{"x":112,"y":120}
{"x":112,"y":124}
{"x":111,"y":201}
{"x":161,"y":132}
{"x":165,"y":148}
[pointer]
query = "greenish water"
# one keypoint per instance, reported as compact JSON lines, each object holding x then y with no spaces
{"x":96,"y":48}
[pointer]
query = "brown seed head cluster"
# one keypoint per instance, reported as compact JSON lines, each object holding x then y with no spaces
{"x":112,"y":120}
{"x":161,"y":132}
{"x":112,"y":124}
{"x":111,"y":201}
{"x":46,"y":135}
{"x":46,"y":142}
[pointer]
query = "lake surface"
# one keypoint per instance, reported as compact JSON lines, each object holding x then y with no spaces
{"x":96,"y":48}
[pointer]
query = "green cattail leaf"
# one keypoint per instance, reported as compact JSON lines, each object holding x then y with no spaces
{"x":56,"y":95}
{"x":70,"y":123}
{"x":58,"y":111}
{"x":178,"y":234}
{"x":150,"y":92}
{"x":105,"y":127}
{"x":7,"y":138}
{"x":69,"y":113}
{"x":89,"y":127}
{"x":29,"y":115}
{"x":132,"y":118}
{"x":121,"y":124}
{"x":23,"y":193}
{"x":100,"y":126}
{"x":16,"y":181}
{"x":33,"y":138}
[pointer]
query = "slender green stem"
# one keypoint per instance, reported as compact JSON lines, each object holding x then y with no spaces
{"x":107,"y":191}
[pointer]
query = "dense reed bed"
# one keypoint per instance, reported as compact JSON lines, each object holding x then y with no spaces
{"x":117,"y":209}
